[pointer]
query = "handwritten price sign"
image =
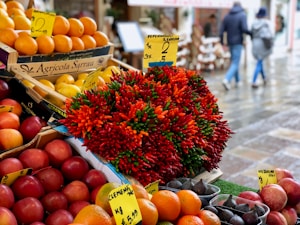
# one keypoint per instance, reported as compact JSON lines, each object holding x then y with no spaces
{"x":266,"y":177}
{"x":42,"y":23}
{"x":160,"y":50}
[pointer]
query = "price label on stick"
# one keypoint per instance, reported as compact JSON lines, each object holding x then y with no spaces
{"x":42,"y":23}
{"x":160,"y":50}
{"x":266,"y":177}
{"x":152,"y":187}
{"x":10,"y":178}
{"x":124,"y":206}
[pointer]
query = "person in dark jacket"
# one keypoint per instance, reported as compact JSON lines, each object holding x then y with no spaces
{"x":235,"y":26}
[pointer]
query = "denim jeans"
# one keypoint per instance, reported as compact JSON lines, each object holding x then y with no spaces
{"x":233,"y":71}
{"x":259,"y":69}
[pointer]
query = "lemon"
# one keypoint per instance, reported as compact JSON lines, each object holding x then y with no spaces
{"x":54,"y":100}
{"x":69,"y":90}
{"x":28,"y":83}
{"x":113,"y":69}
{"x":79,"y":82}
{"x":108,"y":72}
{"x":47,"y":83}
{"x":82,"y":76}
{"x":59,"y":85}
{"x":65,"y":78}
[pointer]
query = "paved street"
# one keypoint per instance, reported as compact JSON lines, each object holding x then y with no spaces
{"x":266,"y":120}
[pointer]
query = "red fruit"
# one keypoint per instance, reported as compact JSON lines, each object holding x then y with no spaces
{"x":10,"y":138}
{"x":276,"y":218}
{"x":250,"y":195}
{"x":4,"y":89}
{"x":292,"y":189}
{"x":58,"y":151}
{"x":53,"y":201}
{"x":93,"y":194}
{"x":274,"y":196}
{"x":10,"y":165}
{"x":290,"y":215}
{"x":74,"y":168}
{"x":76,"y":191}
{"x":7,"y":217}
{"x":61,"y":216}
{"x":37,"y":223}
{"x":94,"y":178}
{"x":51,"y":179}
{"x":28,"y":210}
{"x":34,"y":158}
{"x":7,"y":196}
{"x":282,"y":173}
{"x":31,"y":126}
{"x":27,"y":186}
{"x":75,"y":207}
{"x":9,"y":120}
{"x":17,"y":108}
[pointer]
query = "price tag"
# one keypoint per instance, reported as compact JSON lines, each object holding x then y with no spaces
{"x":92,"y":80}
{"x":124,"y":206}
{"x":6,"y":108}
{"x":266,"y":177}
{"x":160,"y":50}
{"x":152,"y":187}
{"x":10,"y":178}
{"x":42,"y":23}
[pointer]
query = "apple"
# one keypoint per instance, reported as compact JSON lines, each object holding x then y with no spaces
{"x":31,"y":126}
{"x":9,"y":120}
{"x":274,"y":196}
{"x":17,"y":107}
{"x":276,"y":218}
{"x":250,"y":195}
{"x":28,"y":210}
{"x":282,"y":173}
{"x":7,"y":217}
{"x":94,"y":193}
{"x":290,"y":215}
{"x":297,"y":208}
{"x":37,"y":223}
{"x":76,"y":191}
{"x":58,"y":150}
{"x":292,"y":189}
{"x":27,"y":186}
{"x":74,"y":168}
{"x":10,"y":165}
{"x":60,"y":216}
{"x":10,"y":138}
{"x":53,"y":201}
{"x":7,"y":196}
{"x":51,"y":179}
{"x":94,"y":178}
{"x":34,"y":158}
{"x":76,"y":206}
{"x":4,"y":89}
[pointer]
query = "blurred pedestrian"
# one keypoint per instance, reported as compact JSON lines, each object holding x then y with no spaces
{"x":235,"y":26}
{"x":209,"y":26}
{"x":262,"y":43}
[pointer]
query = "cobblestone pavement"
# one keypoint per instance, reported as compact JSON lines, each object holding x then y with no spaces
{"x":266,"y":120}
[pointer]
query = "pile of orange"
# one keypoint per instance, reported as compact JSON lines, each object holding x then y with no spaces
{"x":68,"y":34}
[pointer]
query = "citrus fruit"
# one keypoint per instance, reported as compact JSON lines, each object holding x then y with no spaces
{"x":148,"y":210}
{"x":79,"y":83}
{"x":189,"y":220}
{"x":15,"y":12}
{"x":61,"y":25}
{"x":163,"y":199}
{"x":65,"y":78}
{"x":102,"y":196}
{"x":6,"y":22}
{"x":28,"y":83}
{"x":76,"y":27}
{"x":47,"y":83}
{"x":108,"y":72}
{"x":3,"y":5}
{"x":8,"y":36}
{"x":23,"y":33}
{"x":26,"y":45}
{"x":209,"y":218}
{"x":88,"y":41}
{"x":92,"y":215}
{"x":40,"y":91}
{"x":21,"y":22}
{"x":89,"y":24}
{"x":164,"y":223}
{"x":190,"y":202}
{"x":28,"y":12}
{"x":77,"y":43}
{"x":14,"y":4}
{"x":45,"y":44}
{"x":100,"y":38}
{"x":10,"y":138}
{"x":59,"y":85}
{"x":82,"y":76}
{"x":140,"y":191}
{"x":3,"y":12}
{"x":62,"y":43}
{"x":69,"y":90}
{"x":55,"y":101}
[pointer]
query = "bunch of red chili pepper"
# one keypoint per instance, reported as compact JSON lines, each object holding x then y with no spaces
{"x":161,"y":124}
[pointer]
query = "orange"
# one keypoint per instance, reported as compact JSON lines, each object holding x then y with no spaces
{"x":190,"y":202}
{"x":62,"y":43}
{"x":21,"y":22}
{"x":45,"y":44}
{"x":209,"y":218}
{"x":89,"y":41}
{"x":140,"y":191}
{"x":100,"y":38}
{"x":92,"y":215}
{"x":3,"y":5}
{"x":6,"y":22}
{"x":189,"y":220}
{"x":15,"y":11}
{"x":26,"y":45}
{"x":61,"y":25}
{"x":167,"y":204}
{"x":14,"y":4}
{"x":148,"y":210}
{"x":23,"y":33}
{"x":76,"y":27}
{"x":89,"y":24}
{"x":8,"y":36}
{"x":28,"y":12}
{"x":3,"y":12}
{"x":77,"y":43}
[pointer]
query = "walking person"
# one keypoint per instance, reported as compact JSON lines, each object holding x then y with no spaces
{"x":262,"y":43}
{"x":235,"y":26}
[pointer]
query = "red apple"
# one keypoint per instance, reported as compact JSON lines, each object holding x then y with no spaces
{"x":34,"y":158}
{"x":74,"y":168}
{"x":17,"y":107}
{"x":282,"y":173}
{"x":28,"y":210}
{"x":10,"y":138}
{"x":51,"y":179}
{"x":31,"y":126}
{"x":297,"y":208}
{"x":9,"y":120}
{"x":10,"y":165}
{"x":37,"y":223}
{"x":7,"y":196}
{"x":76,"y":206}
{"x":290,"y":215}
{"x":4,"y":89}
{"x":60,"y":216}
{"x":7,"y":217}
{"x":274,"y":196}
{"x":76,"y":191}
{"x":94,"y":193}
{"x":27,"y":186}
{"x":58,"y":150}
{"x":53,"y":201}
{"x":292,"y":189}
{"x":250,"y":195}
{"x":276,"y":218}
{"x":94,"y":178}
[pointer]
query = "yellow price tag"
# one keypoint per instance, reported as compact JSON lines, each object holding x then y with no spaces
{"x":42,"y":23}
{"x":160,"y":50}
{"x":91,"y":80}
{"x":6,"y":108}
{"x":10,"y":178}
{"x":124,"y":206}
{"x":266,"y":177}
{"x":152,"y":187}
